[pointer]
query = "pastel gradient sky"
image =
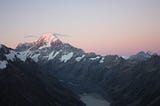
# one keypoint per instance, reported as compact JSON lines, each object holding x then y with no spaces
{"x":121,"y":27}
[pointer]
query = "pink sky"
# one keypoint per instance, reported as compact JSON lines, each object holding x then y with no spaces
{"x":121,"y":27}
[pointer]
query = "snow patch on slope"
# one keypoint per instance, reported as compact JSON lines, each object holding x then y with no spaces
{"x":67,"y":57}
{"x":51,"y":56}
{"x":11,"y":55}
{"x":35,"y":57}
{"x":20,"y":55}
{"x":102,"y":60}
{"x":79,"y":58}
{"x":125,"y":57}
{"x":3,"y":64}
{"x":95,"y":58}
{"x":44,"y":46}
{"x":23,"y":55}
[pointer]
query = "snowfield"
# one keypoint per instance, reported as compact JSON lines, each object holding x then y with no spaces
{"x":95,"y":58}
{"x":67,"y":57}
{"x":102,"y":60}
{"x":11,"y":55}
{"x":80,"y":58}
{"x":51,"y":56}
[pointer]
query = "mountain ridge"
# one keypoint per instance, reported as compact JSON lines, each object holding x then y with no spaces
{"x":111,"y":76}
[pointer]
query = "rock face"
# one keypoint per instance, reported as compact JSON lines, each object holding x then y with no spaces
{"x":25,"y":84}
{"x":124,"y":82}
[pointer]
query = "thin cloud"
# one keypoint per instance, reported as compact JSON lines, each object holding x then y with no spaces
{"x":30,"y":36}
{"x":61,"y":35}
{"x":56,"y":34}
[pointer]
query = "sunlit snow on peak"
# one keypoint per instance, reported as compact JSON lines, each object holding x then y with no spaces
{"x":46,"y":39}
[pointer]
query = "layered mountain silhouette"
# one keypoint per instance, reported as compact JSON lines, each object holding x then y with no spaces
{"x":123,"y":82}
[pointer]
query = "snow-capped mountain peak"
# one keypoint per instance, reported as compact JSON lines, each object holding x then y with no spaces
{"x":46,"y":39}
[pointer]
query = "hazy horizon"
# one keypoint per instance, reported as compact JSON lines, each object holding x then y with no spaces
{"x":101,"y":26}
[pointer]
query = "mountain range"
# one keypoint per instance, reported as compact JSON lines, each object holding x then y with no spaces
{"x":55,"y":70}
{"x":23,"y":83}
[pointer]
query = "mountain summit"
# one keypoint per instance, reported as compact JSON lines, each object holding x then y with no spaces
{"x":46,"y":40}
